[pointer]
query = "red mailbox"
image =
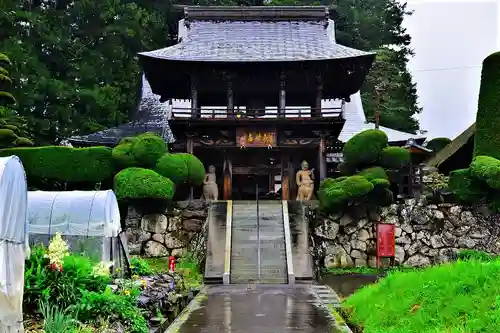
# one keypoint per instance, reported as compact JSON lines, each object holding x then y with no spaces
{"x":171,"y":264}
{"x":386,"y":241}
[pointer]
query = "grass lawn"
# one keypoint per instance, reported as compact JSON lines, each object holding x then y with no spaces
{"x":459,"y":297}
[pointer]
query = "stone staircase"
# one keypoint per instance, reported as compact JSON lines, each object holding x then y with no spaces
{"x":214,"y":265}
{"x":258,"y":243}
{"x":244,"y":245}
{"x":272,"y":243}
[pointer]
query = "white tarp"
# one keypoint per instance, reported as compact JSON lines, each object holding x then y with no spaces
{"x":13,"y":243}
{"x":74,"y":213}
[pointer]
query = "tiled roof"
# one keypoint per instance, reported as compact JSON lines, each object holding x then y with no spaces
{"x":151,"y":117}
{"x":256,"y":41}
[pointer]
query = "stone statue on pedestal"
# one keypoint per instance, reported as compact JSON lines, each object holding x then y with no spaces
{"x":210,"y":189}
{"x":305,"y":182}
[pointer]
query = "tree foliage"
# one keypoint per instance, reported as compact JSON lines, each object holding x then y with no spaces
{"x":75,"y":67}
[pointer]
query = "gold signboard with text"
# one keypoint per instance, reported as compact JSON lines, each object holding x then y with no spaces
{"x":253,"y":138}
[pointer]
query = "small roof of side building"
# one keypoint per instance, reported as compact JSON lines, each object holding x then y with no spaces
{"x":355,"y":122}
{"x":151,"y":116}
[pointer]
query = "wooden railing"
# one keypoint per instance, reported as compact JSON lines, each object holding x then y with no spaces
{"x":290,"y":113}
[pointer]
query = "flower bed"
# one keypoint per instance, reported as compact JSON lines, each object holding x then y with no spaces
{"x":69,"y":293}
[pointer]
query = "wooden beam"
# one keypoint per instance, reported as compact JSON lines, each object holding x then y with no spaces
{"x":322,"y":158}
{"x":194,"y":98}
{"x":227,"y":172}
{"x":282,"y":100}
{"x":285,"y":177}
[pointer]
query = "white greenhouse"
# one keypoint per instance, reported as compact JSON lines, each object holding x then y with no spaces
{"x":13,"y":243}
{"x":88,"y":220}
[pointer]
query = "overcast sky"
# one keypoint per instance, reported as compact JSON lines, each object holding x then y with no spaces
{"x":450,"y":39}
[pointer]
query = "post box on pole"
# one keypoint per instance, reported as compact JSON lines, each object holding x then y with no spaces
{"x":386,"y":242}
{"x":171,"y":264}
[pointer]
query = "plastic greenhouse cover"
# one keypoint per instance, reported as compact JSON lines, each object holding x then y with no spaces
{"x":74,"y":213}
{"x":13,"y":243}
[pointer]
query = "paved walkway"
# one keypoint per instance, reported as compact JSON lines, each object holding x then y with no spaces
{"x":256,"y":309}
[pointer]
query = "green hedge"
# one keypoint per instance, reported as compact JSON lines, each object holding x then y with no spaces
{"x":143,"y":150}
{"x":487,"y":135}
{"x":465,"y":187}
{"x":437,"y":144}
{"x":138,"y":183}
{"x":69,"y":164}
{"x":365,"y":148}
{"x":181,"y":168}
{"x":394,"y":157}
{"x":487,"y":169}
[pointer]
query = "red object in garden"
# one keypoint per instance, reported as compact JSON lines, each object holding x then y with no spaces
{"x":171,"y":264}
{"x":386,"y":241}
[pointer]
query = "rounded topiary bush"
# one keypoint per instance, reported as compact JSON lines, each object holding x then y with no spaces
{"x":196,"y":170}
{"x":373,"y":173}
{"x":487,"y":169}
{"x":174,"y":167}
{"x":333,"y":193}
{"x":122,"y":155}
{"x":466,"y":188}
{"x":139,"y":183}
{"x":394,"y":157}
{"x":365,"y":148}
{"x":487,"y":135}
{"x":23,"y":142}
{"x":147,"y":149}
{"x":437,"y":144}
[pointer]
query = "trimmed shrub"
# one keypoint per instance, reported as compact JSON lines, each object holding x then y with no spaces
{"x":365,"y":148}
{"x":94,"y":164}
{"x":487,"y":137}
{"x":373,"y":173}
{"x":394,"y":157}
{"x":122,"y":155}
{"x":147,"y":149}
{"x":465,"y":188}
{"x":196,"y":170}
{"x":334,"y":193}
{"x":487,"y":169}
{"x":174,"y":167}
{"x":437,"y":144}
{"x":139,"y":183}
{"x":181,"y":168}
{"x":143,"y":150}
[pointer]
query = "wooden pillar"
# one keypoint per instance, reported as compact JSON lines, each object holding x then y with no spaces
{"x":227,"y":178}
{"x":319,"y":96}
{"x":190,"y":149}
{"x":282,"y":97}
{"x":194,"y":98}
{"x":285,"y":177}
{"x":230,"y":96}
{"x":322,"y":158}
{"x":272,"y":180}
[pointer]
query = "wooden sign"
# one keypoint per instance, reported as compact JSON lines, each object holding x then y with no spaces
{"x":386,"y":241}
{"x":250,"y":138}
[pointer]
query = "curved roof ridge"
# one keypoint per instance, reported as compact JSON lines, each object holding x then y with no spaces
{"x":256,"y":13}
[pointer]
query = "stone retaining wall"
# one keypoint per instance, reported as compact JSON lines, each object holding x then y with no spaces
{"x":168,"y":232}
{"x":425,"y":234}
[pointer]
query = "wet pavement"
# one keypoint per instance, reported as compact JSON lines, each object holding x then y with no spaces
{"x":257,"y":309}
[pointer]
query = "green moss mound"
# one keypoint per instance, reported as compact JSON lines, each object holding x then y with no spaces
{"x":394,"y":157}
{"x":487,"y":136}
{"x":437,"y":144}
{"x":141,"y":151}
{"x":66,"y":164}
{"x":487,"y":169}
{"x":139,"y":183}
{"x":466,"y":188}
{"x":373,"y":173}
{"x":181,"y":168}
{"x":365,"y":148}
{"x":455,"y":297}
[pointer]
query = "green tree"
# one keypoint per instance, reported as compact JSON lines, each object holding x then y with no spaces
{"x":6,"y":98}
